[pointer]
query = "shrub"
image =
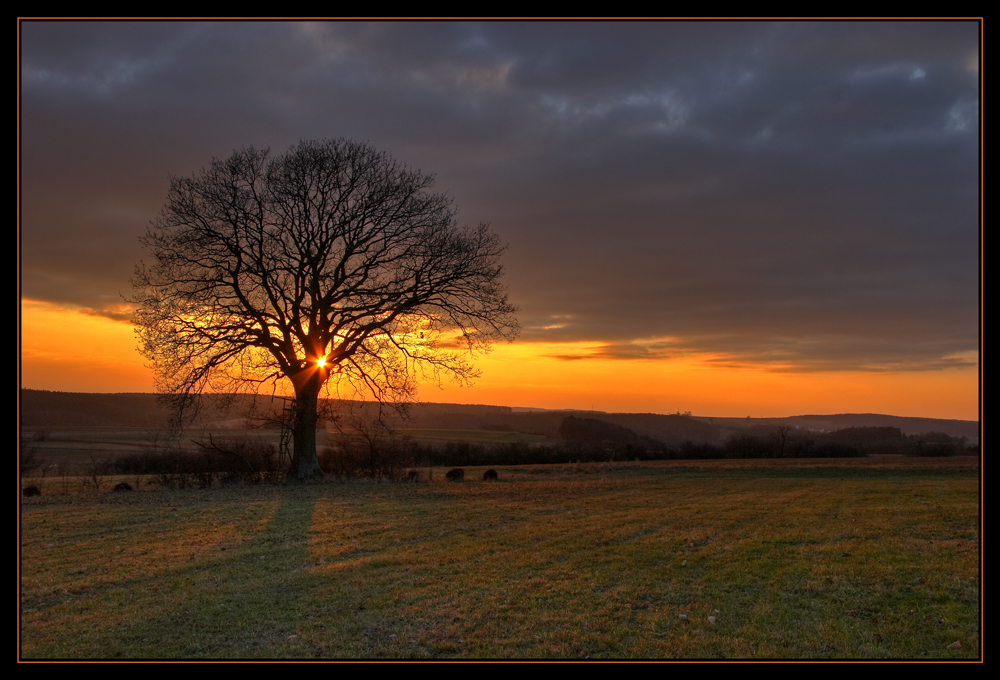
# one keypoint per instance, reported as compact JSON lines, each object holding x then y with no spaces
{"x":29,"y":460}
{"x":242,"y":459}
{"x":691,"y":451}
{"x":341,"y":462}
{"x":936,"y":444}
{"x":352,"y":457}
{"x":231,"y":459}
{"x":934,"y":450}
{"x":834,"y":450}
{"x":455,"y":475}
{"x":747,"y":446}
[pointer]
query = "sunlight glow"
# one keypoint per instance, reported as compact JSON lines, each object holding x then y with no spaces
{"x":544,"y":375}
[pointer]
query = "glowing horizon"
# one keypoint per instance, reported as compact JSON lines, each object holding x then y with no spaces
{"x":527,"y":374}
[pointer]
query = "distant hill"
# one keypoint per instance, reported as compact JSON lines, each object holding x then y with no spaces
{"x":41,"y":408}
{"x":830,"y":423}
{"x":45,"y":409}
{"x":954,"y":428}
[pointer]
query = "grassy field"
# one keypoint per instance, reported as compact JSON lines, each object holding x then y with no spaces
{"x":861,"y":558}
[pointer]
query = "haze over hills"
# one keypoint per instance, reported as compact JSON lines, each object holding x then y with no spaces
{"x":44,"y":409}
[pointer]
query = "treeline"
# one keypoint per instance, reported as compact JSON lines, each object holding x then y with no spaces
{"x":382,"y":455}
{"x":238,"y":459}
{"x":592,"y":440}
{"x":769,"y":442}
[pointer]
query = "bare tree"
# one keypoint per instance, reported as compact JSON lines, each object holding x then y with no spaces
{"x":331,"y":266}
{"x":780,"y":437}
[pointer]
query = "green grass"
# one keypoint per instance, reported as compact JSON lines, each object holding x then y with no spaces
{"x":794,"y":559}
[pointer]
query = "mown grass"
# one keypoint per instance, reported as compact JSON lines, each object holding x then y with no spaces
{"x":794,"y":560}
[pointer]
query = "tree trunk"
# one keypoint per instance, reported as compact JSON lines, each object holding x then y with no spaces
{"x":305,"y":464}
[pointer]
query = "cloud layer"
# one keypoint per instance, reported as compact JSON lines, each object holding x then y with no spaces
{"x":802,"y":196}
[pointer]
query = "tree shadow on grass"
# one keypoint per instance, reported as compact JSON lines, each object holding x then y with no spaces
{"x":236,"y":601}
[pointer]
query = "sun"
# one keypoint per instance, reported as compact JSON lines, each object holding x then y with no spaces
{"x":321,"y":362}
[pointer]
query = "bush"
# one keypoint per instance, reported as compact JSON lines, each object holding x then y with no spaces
{"x":937,"y":444}
{"x":356,"y":457}
{"x":747,"y":446}
{"x":227,"y":459}
{"x":692,"y":451}
{"x":243,"y":459}
{"x":834,"y":450}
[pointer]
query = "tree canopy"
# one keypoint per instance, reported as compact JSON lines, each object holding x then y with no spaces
{"x":332,"y":266}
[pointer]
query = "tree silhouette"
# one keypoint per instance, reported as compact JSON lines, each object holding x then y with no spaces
{"x":332,"y":266}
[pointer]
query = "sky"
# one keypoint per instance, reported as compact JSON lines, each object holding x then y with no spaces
{"x":724,"y":217}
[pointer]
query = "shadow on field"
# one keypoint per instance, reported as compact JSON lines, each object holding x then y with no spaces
{"x":237,"y":599}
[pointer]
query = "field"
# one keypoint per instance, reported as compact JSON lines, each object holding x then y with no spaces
{"x":861,"y":558}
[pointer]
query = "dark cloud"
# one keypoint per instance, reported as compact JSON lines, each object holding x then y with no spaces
{"x":792,"y":194}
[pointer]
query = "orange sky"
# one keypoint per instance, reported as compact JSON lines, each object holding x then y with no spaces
{"x":66,"y":349}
